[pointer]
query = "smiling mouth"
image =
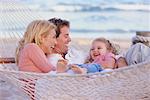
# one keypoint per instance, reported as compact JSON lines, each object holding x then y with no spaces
{"x":52,"y":47}
{"x":96,"y":55}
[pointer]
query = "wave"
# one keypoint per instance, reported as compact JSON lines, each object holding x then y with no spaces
{"x":88,"y":8}
{"x":105,"y":31}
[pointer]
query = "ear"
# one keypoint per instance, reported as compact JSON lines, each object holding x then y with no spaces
{"x":41,"y":39}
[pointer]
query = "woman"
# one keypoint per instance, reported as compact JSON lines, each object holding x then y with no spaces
{"x":38,"y":40}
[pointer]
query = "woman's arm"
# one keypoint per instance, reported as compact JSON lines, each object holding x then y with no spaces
{"x":37,"y":56}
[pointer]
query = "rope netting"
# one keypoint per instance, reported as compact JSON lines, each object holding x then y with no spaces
{"x":130,"y":83}
{"x":14,"y":18}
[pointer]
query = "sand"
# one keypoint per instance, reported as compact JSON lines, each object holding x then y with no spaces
{"x":84,"y":43}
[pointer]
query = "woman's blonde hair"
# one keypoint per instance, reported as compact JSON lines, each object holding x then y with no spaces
{"x":33,"y":34}
{"x":109,"y":46}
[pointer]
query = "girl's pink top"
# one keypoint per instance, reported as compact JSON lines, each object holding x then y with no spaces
{"x":33,"y":59}
{"x":104,"y":59}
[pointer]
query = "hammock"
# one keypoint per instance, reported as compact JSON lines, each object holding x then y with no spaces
{"x":14,"y":18}
{"x":130,"y":83}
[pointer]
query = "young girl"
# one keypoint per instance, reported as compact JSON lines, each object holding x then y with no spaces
{"x":101,"y":57}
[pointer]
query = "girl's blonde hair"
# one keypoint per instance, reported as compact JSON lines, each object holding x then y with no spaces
{"x":109,"y":45}
{"x":33,"y":34}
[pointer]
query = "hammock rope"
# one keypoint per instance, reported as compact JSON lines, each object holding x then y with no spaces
{"x":14,"y":18}
{"x":130,"y":83}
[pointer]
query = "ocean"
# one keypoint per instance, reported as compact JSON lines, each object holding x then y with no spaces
{"x":92,"y":18}
{"x":95,"y":18}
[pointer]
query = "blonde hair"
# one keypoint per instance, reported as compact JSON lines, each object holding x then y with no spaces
{"x":109,"y":45}
{"x":33,"y":34}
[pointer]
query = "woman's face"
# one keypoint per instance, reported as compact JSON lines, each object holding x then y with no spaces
{"x":49,"y":42}
{"x":98,"y":48}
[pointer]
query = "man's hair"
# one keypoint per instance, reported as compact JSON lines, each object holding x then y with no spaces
{"x":59,"y":24}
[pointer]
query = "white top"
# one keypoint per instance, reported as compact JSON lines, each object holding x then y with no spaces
{"x":53,"y":58}
{"x":75,"y":56}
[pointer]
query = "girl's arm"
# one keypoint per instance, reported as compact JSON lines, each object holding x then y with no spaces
{"x":109,"y":63}
{"x":106,"y":61}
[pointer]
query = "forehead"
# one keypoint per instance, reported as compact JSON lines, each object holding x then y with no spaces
{"x":98,"y":43}
{"x":52,"y":32}
{"x":64,"y":30}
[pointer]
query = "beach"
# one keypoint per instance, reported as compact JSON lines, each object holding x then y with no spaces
{"x":86,"y":42}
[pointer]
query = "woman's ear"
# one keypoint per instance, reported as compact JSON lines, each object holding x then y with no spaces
{"x":41,"y":39}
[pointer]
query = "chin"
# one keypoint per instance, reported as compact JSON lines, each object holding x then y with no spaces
{"x":65,"y":52}
{"x":49,"y":51}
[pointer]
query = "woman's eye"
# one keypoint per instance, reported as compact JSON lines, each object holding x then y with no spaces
{"x":98,"y":48}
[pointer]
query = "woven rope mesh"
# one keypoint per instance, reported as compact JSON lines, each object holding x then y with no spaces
{"x":14,"y":18}
{"x":130,"y":83}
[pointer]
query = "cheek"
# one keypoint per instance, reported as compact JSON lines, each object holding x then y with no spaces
{"x":91,"y":54}
{"x":59,"y":41}
{"x":103,"y":51}
{"x":64,"y":40}
{"x":46,"y":42}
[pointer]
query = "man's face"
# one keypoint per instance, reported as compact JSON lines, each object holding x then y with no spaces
{"x":63,"y":40}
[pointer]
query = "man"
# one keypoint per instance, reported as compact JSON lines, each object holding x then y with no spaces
{"x":62,"y":35}
{"x":62,"y":47}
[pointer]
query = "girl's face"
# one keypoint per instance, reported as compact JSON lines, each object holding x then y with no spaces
{"x":98,"y":48}
{"x":49,"y":42}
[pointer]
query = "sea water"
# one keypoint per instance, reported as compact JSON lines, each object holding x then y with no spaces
{"x":95,"y":18}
